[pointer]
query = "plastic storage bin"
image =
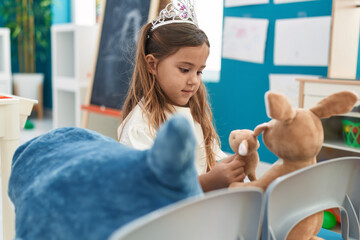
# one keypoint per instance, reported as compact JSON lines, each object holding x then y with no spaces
{"x":351,"y":132}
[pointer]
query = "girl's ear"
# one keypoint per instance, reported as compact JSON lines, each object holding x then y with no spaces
{"x":151,"y":63}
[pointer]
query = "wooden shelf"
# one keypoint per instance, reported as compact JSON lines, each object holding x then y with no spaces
{"x":352,"y":114}
{"x":340,"y":145}
{"x":314,"y":90}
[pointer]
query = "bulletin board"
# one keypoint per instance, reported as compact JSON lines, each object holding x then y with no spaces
{"x":238,"y":98}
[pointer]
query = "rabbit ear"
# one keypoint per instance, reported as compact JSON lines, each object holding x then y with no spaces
{"x":278,"y":106}
{"x":260,"y":128}
{"x":337,"y":103}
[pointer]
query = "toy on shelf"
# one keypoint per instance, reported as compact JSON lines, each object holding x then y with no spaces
{"x":296,"y":137}
{"x":351,"y":132}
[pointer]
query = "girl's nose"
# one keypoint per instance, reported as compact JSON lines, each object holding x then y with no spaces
{"x":193,"y":79}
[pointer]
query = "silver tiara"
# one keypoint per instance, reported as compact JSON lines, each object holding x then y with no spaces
{"x":178,"y":11}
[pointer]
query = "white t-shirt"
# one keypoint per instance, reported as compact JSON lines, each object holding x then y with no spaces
{"x":136,"y":134}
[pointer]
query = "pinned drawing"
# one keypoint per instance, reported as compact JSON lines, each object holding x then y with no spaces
{"x":302,"y":41}
{"x":245,"y":39}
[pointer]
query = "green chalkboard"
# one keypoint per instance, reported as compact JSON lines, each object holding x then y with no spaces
{"x":121,"y":23}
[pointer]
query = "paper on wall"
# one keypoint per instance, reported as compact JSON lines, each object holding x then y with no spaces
{"x":245,"y":39}
{"x":302,"y":41}
{"x":233,"y":3}
{"x":289,"y":1}
{"x":287,"y":85}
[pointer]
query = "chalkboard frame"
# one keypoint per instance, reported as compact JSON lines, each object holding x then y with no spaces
{"x":90,"y":107}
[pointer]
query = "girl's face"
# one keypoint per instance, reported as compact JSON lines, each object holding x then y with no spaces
{"x":179,"y":75}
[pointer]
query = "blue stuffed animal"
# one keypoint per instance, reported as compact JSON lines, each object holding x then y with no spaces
{"x":73,"y":183}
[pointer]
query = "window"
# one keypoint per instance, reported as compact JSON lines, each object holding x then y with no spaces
{"x":210,"y":19}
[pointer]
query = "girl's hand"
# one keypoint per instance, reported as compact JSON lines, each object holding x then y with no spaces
{"x":225,"y":172}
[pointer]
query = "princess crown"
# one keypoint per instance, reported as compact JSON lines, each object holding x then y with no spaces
{"x":178,"y":11}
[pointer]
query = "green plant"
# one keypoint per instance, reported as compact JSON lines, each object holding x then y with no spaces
{"x":29,"y":22}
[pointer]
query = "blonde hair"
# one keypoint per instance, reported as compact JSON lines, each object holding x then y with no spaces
{"x":161,"y":43}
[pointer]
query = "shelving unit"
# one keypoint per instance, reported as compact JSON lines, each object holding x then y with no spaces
{"x":342,"y":67}
{"x":311,"y":92}
{"x":5,"y":62}
{"x":333,"y":134}
{"x":340,"y":146}
{"x":73,"y":57}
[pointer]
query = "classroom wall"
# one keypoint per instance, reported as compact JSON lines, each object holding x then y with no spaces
{"x":358,"y":65}
{"x":238,"y":99}
{"x":61,"y":10}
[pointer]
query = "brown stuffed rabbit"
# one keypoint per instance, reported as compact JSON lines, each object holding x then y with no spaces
{"x":244,"y":143}
{"x":296,"y":137}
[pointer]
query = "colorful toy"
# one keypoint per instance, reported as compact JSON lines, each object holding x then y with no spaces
{"x":244,"y":142}
{"x":296,"y":137}
{"x":73,"y":183}
{"x":336,"y":213}
{"x":29,"y":124}
{"x":351,"y":132}
{"x":329,"y":220}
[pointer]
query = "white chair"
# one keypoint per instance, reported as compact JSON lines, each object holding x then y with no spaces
{"x":329,"y":184}
{"x":353,"y":191}
{"x":226,"y":214}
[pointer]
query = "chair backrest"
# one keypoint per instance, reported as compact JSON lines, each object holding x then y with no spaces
{"x":328,"y":184}
{"x":353,"y":190}
{"x":222,"y":214}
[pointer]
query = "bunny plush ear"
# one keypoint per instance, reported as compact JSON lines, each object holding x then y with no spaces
{"x":337,"y":103}
{"x":260,"y":128}
{"x":278,"y":107}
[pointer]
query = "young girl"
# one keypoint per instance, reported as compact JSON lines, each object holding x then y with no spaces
{"x":171,"y":55}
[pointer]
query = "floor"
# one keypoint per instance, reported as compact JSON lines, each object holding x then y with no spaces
{"x":40,"y":127}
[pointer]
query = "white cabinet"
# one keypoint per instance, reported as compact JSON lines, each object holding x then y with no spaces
{"x":73,"y":58}
{"x":5,"y":61}
{"x":311,"y":92}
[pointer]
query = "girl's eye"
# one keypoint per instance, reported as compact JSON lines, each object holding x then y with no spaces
{"x":199,"y":72}
{"x":184,"y":70}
